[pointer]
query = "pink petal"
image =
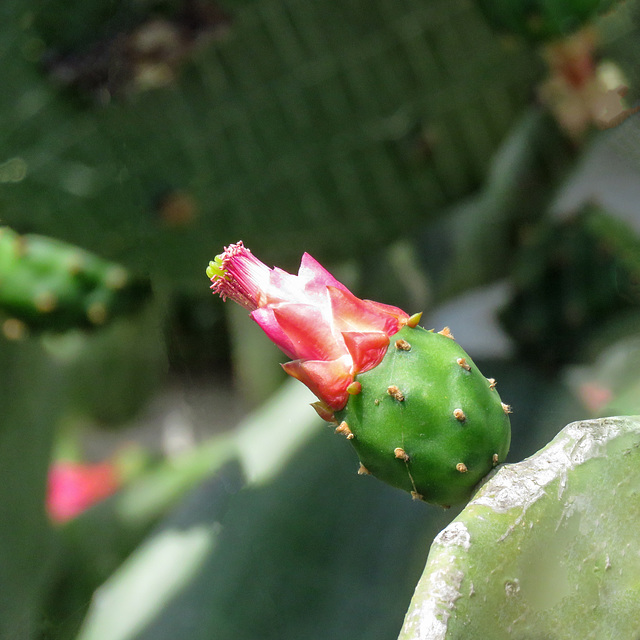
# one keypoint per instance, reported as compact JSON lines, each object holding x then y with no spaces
{"x":314,"y":276}
{"x":367,"y":348}
{"x":284,"y":287}
{"x":379,"y":307}
{"x":74,"y":487}
{"x":327,"y":379}
{"x":312,"y":337}
{"x":352,"y":314}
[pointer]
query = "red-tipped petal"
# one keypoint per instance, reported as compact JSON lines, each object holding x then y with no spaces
{"x":311,"y":335}
{"x":387,"y":309}
{"x":367,"y":348}
{"x":352,"y":314}
{"x":328,"y":380}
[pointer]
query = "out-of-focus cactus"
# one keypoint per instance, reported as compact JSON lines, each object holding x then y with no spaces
{"x":546,"y":549}
{"x":542,"y":19}
{"x":610,"y":385}
{"x":294,"y":118}
{"x":418,"y":412}
{"x":571,"y":278}
{"x":475,"y":242}
{"x":52,"y":285}
{"x":292,"y":555}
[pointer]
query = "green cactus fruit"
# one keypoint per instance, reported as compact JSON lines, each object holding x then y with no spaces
{"x":425,"y":419}
{"x":52,"y":285}
{"x":540,"y":20}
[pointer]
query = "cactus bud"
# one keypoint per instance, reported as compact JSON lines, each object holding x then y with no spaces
{"x":417,"y":411}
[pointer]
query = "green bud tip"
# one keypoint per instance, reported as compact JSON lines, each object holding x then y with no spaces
{"x":215,"y":267}
{"x":414,"y":320}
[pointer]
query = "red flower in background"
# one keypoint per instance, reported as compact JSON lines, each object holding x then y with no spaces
{"x":330,"y":334}
{"x":74,"y":487}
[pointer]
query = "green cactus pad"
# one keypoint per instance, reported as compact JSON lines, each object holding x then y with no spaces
{"x":426,"y":420}
{"x":547,"y":549}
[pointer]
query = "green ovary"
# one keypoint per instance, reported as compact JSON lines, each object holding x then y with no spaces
{"x":427,"y":421}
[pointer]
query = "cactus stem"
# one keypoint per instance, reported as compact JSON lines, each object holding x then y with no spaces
{"x":45,"y":302}
{"x":403,"y":345}
{"x":492,"y":383}
{"x":416,"y":496}
{"x":395,"y":393}
{"x":401,"y":454}
{"x":464,"y":364}
{"x":461,"y":467}
{"x":343,"y":428}
{"x":414,"y":320}
{"x":354,"y":388}
{"x":446,"y":332}
{"x":506,"y":408}
{"x":495,"y":459}
{"x":363,"y":471}
{"x":459,"y":415}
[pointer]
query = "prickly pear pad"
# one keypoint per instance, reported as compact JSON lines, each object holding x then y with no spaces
{"x":426,"y":420}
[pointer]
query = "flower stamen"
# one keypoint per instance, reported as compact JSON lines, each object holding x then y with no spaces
{"x":239,"y":275}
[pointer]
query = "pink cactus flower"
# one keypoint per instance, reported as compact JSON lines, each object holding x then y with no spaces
{"x":74,"y":487}
{"x":329,"y":334}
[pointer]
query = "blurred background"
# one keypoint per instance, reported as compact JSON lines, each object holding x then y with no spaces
{"x":475,"y":160}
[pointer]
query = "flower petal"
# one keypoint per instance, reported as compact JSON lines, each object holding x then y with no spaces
{"x":311,"y":335}
{"x":328,"y":380}
{"x":314,"y":276}
{"x":74,"y":487}
{"x":284,"y":287}
{"x":387,"y":309}
{"x":367,"y":348}
{"x":352,"y":314}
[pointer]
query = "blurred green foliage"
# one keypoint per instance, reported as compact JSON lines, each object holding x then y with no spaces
{"x":406,"y":146}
